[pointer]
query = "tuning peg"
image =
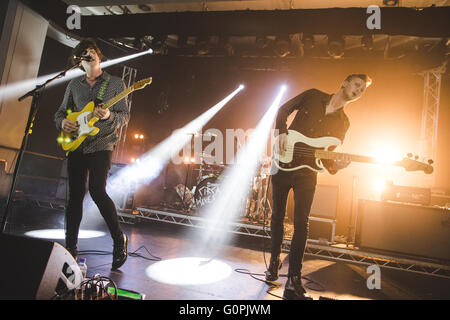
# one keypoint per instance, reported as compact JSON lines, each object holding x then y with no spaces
{"x":430,"y":161}
{"x":409,"y":155}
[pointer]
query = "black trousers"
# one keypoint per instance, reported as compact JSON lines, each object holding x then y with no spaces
{"x":97,"y":164}
{"x":304,"y":187}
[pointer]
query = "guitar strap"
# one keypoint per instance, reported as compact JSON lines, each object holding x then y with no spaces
{"x":101,"y":92}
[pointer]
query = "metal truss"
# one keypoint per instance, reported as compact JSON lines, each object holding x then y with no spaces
{"x":314,"y":248}
{"x":128,"y":77}
{"x":430,"y":111}
{"x":366,"y":258}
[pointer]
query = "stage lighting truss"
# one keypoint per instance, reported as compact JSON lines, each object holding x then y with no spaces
{"x":314,"y":248}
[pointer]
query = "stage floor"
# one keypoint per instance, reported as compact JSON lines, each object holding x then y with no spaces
{"x":325,"y":278}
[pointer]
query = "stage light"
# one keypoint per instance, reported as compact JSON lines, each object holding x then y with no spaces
{"x":336,"y":46}
{"x":186,"y":159}
{"x":390,"y":3}
{"x":235,"y":185}
{"x":17,"y":89}
{"x":241,"y":87}
{"x":379,"y":185}
{"x":133,"y":160}
{"x":308,"y":41}
{"x":136,"y":136}
{"x":226,"y":46}
{"x":61,"y":234}
{"x":182,"y":41}
{"x":282,"y":46}
{"x":367,"y":42}
{"x":159,"y":44}
{"x":141,"y":136}
{"x":188,"y":271}
{"x":202,"y":45}
{"x":261,"y":42}
{"x":386,"y":154}
{"x":192,"y":159}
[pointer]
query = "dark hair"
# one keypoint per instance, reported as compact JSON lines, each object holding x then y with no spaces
{"x":87,"y":43}
{"x":363,"y":77}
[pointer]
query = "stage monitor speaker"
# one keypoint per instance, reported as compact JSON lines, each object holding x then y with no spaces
{"x":35,"y":269}
{"x":404,"y":228}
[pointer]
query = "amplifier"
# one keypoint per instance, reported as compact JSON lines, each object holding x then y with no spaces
{"x":406,"y":194}
{"x":404,"y":228}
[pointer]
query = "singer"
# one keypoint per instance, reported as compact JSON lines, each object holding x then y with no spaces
{"x":78,"y":59}
{"x":94,"y":155}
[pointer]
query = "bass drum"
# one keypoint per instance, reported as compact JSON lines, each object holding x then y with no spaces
{"x":206,"y":191}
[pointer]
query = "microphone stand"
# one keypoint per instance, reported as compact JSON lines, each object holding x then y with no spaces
{"x":35,"y":94}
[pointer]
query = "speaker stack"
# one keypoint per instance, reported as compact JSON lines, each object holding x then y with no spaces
{"x":35,"y":269}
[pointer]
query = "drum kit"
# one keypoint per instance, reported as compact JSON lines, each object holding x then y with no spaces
{"x":208,"y":176}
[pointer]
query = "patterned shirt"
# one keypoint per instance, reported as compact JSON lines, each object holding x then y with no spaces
{"x":79,"y":93}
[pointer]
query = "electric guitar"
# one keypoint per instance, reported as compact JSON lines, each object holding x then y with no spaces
{"x":304,"y":152}
{"x":86,"y":120}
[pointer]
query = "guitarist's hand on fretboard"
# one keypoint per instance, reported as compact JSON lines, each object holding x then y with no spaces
{"x":101,"y":113}
{"x":342,"y":161}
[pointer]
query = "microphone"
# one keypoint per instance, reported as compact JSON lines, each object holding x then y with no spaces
{"x":78,"y":59}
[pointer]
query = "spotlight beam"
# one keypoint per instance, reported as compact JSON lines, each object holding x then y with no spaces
{"x":152,"y":163}
{"x":14,"y":90}
{"x":235,"y":185}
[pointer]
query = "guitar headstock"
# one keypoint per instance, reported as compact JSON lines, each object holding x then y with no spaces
{"x":415,"y":165}
{"x":141,"y":84}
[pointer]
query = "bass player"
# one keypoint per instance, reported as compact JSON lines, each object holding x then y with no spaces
{"x":318,"y":115}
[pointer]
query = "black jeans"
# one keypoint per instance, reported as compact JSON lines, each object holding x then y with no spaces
{"x":78,"y":166}
{"x":304,"y":187}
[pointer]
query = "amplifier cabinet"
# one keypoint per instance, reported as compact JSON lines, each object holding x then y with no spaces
{"x":404,"y":228}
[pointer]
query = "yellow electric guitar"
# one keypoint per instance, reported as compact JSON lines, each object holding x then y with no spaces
{"x":86,"y":120}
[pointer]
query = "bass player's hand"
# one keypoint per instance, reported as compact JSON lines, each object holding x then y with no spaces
{"x":282,"y":143}
{"x":342,"y":161}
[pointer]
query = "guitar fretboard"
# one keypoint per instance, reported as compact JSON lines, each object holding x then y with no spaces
{"x":117,"y":98}
{"x":323,"y":154}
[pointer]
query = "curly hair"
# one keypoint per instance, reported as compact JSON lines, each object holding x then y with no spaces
{"x":80,"y":49}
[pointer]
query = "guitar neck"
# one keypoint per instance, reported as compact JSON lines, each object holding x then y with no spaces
{"x":117,"y":98}
{"x":323,"y":154}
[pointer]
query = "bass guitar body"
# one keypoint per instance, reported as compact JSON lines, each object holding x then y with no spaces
{"x":300,"y":152}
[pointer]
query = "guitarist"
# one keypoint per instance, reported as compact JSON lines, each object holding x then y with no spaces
{"x":94,"y":154}
{"x":318,"y":114}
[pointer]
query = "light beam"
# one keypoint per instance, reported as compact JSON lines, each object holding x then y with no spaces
{"x":17,"y":89}
{"x":151,"y":163}
{"x":236,"y":184}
